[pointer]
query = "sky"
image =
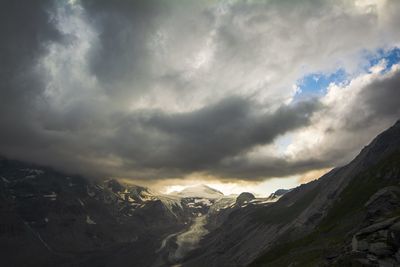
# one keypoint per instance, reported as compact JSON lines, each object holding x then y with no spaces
{"x":250,"y":95}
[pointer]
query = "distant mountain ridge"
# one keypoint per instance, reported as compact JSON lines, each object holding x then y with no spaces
{"x":56,"y":219}
{"x":278,"y":193}
{"x":348,"y":217}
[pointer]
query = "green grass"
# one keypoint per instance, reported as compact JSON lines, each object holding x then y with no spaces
{"x":276,"y":214}
{"x":333,"y":231}
{"x":351,"y":201}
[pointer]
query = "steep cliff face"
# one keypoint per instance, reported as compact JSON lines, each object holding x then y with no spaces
{"x":314,"y":222}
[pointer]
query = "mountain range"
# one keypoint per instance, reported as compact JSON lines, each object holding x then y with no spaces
{"x":348,"y":217}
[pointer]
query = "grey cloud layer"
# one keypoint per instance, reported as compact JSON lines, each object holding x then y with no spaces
{"x":201,"y":140}
{"x":25,"y":29}
{"x":154,"y":89}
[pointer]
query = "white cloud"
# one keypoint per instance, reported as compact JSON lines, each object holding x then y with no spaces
{"x":198,"y":54}
{"x":349,"y":120}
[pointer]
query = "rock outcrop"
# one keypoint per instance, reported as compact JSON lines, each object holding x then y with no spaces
{"x":244,"y":197}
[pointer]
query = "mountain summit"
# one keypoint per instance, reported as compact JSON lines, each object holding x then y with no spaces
{"x":200,"y":191}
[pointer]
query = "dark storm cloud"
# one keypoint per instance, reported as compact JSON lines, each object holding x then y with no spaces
{"x":25,"y":28}
{"x":123,"y":58}
{"x":215,"y":82}
{"x":243,"y":168}
{"x":379,"y":99}
{"x":71,"y":138}
{"x":122,"y":24}
{"x":376,"y":107}
{"x":382,"y":97}
{"x":202,"y":139}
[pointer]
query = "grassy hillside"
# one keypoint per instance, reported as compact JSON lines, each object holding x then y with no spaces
{"x":333,"y":235}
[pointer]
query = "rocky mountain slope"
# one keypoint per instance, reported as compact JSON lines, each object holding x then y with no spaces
{"x":53,"y":219}
{"x":349,"y":217}
{"x":49,"y":219}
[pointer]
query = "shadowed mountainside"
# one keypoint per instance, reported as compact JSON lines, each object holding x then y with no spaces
{"x":349,"y":216}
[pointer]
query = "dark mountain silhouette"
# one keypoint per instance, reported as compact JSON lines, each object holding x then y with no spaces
{"x":348,"y":217}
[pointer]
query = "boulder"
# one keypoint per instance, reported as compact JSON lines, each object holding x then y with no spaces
{"x":378,"y":226}
{"x":385,"y":201}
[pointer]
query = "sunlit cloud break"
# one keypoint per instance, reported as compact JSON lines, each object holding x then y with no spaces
{"x":164,"y":91}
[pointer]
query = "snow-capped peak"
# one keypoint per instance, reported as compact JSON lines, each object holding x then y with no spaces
{"x":200,"y":191}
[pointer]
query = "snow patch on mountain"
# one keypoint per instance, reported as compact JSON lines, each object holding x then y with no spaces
{"x":200,"y":191}
{"x":189,"y":239}
{"x":89,"y":220}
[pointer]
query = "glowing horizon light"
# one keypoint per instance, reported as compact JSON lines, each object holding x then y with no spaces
{"x":260,"y":189}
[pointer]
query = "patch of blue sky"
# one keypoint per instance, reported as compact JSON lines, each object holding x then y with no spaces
{"x":391,"y":57}
{"x":316,"y":84}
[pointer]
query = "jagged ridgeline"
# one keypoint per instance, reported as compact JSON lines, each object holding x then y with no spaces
{"x":360,"y":225}
{"x":348,"y":217}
